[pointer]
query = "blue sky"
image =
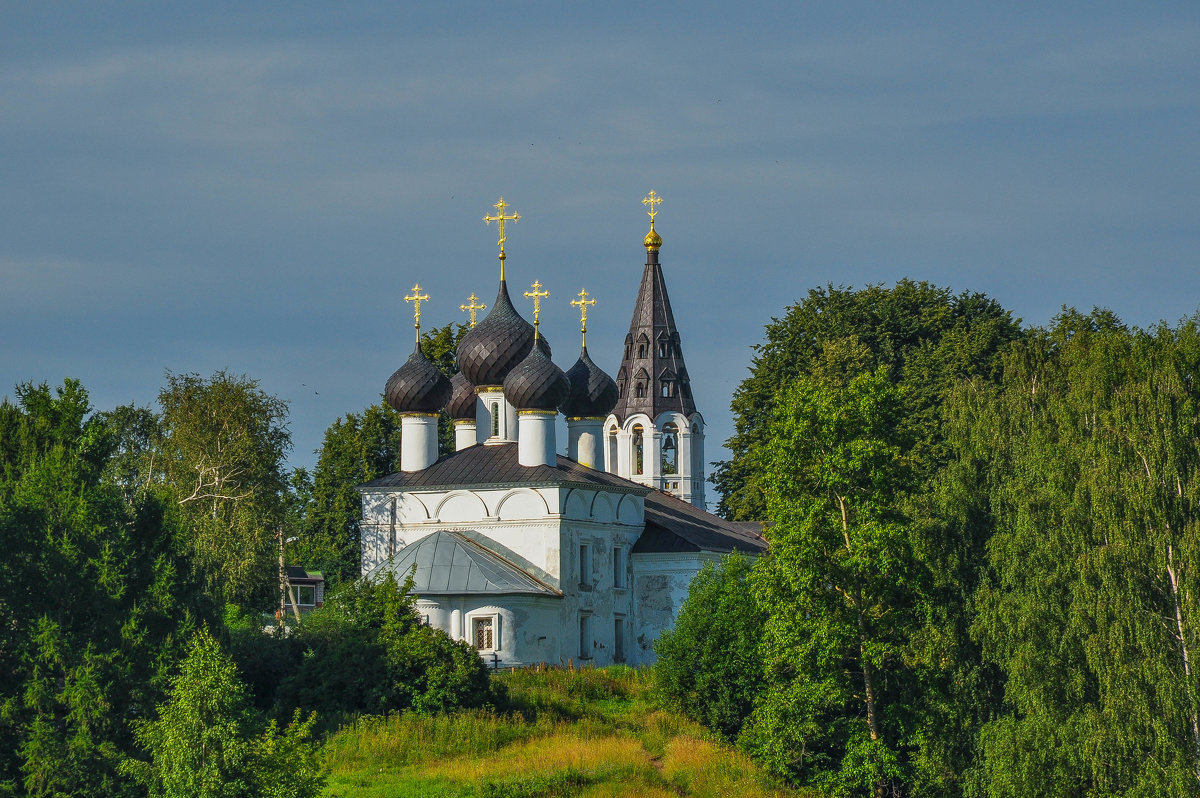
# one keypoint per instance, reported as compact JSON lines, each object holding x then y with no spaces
{"x":255,"y":187}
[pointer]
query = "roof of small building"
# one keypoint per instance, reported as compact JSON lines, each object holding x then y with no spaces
{"x":675,"y":525}
{"x":297,"y":574}
{"x":671,"y":523}
{"x":448,"y":563}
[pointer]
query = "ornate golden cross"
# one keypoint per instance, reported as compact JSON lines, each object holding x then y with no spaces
{"x":500,"y":219}
{"x":582,"y":303}
{"x":417,"y":298}
{"x":537,"y":296}
{"x":652,"y":201}
{"x":471,"y":307}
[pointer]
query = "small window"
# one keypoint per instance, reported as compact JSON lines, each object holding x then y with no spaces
{"x":585,"y":637}
{"x":638,"y":449}
{"x":585,"y":565}
{"x":483,"y":633}
{"x":306,"y":595}
{"x":663,"y":348}
{"x":641,"y":351}
{"x":666,"y":390}
{"x":495,"y":419}
{"x":619,"y":639}
{"x":639,"y":390}
{"x":619,"y":567}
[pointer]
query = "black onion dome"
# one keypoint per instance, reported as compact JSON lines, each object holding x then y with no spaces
{"x":593,"y":393}
{"x":461,"y":406}
{"x":494,"y":346}
{"x":418,"y":386}
{"x":536,"y":383}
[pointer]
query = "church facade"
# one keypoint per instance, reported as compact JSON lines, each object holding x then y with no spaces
{"x":534,"y":556}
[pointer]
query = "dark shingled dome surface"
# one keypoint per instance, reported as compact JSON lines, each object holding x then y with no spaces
{"x":494,"y":346}
{"x":593,"y":393}
{"x":461,"y":406}
{"x":536,"y":383}
{"x":418,"y":386}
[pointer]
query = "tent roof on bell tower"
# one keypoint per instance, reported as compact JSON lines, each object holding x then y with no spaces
{"x":653,"y":348}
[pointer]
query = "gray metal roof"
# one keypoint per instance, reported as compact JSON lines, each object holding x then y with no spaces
{"x":448,"y":563}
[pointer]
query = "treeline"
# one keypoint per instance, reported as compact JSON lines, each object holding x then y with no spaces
{"x":984,"y":554}
{"x":138,"y":644}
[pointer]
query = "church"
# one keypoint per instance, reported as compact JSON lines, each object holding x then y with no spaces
{"x":530,"y":555}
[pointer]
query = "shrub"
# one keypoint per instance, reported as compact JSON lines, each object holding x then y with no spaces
{"x":709,"y":665}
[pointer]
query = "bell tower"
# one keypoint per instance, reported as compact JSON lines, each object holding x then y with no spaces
{"x":654,"y":435}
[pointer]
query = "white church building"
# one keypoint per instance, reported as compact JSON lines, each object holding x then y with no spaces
{"x":530,"y":555}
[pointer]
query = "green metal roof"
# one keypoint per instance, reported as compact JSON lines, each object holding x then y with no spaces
{"x":447,"y":563}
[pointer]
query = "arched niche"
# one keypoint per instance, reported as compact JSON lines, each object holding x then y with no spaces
{"x":577,"y":506}
{"x":520,"y":504}
{"x":461,"y":506}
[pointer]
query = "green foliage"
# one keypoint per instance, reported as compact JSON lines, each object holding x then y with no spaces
{"x":365,"y":651}
{"x":201,"y":745}
{"x":927,"y":338}
{"x":223,"y":446}
{"x":98,"y":597}
{"x":1086,"y":459}
{"x":843,"y":588}
{"x":709,"y":665}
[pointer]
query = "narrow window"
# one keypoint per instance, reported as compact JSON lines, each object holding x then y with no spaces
{"x":670,"y":450}
{"x":495,"y":419}
{"x":585,"y":637}
{"x":638,"y":449}
{"x":639,"y":390}
{"x":666,"y":390}
{"x":619,"y":639}
{"x":483,"y":633}
{"x":662,"y":348}
{"x":641,"y":351}
{"x":619,"y":567}
{"x":585,"y":565}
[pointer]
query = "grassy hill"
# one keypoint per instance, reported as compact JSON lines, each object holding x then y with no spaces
{"x":591,"y":732}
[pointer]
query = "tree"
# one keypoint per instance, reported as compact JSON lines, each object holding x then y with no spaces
{"x":223,"y":448}
{"x":201,"y":744}
{"x":1090,"y":470}
{"x":709,"y":664}
{"x":928,"y":338}
{"x":96,"y":598}
{"x":366,"y":651}
{"x":843,"y":589}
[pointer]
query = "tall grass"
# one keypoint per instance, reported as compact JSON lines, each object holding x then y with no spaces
{"x":590,"y":732}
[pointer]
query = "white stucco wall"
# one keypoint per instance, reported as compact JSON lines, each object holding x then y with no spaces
{"x":660,"y":584}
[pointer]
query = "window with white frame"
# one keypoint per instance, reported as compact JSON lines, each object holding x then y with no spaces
{"x":485,"y":632}
{"x":306,"y":595}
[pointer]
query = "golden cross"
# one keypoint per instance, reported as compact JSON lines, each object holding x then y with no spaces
{"x":500,"y":219}
{"x":652,"y":202}
{"x":537,"y":297}
{"x":417,"y":298}
{"x":582,"y":304}
{"x":471,"y":307}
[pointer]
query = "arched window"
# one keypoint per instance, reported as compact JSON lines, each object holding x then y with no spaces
{"x":638,"y":449}
{"x":639,"y":390}
{"x":663,"y":349}
{"x":641,"y":351}
{"x":610,"y":464}
{"x":670,"y":449}
{"x":666,"y":390}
